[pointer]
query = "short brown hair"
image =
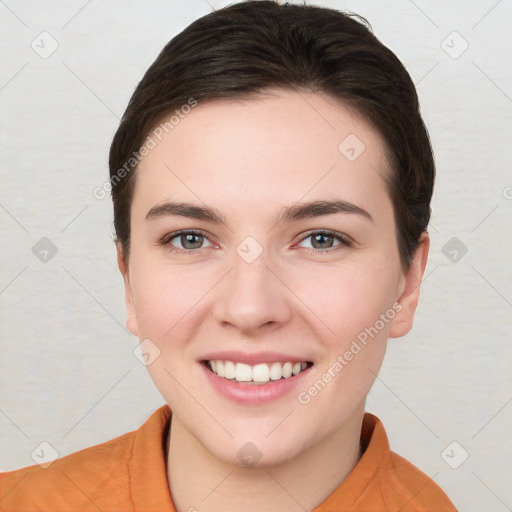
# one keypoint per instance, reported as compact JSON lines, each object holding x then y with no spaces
{"x":256,"y":45}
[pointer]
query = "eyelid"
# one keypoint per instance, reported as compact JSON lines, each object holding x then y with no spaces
{"x":166,"y":239}
{"x":343,"y":239}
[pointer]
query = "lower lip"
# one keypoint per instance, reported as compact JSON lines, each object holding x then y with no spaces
{"x":253,"y":393}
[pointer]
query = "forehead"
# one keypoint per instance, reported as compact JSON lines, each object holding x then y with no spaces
{"x":274,"y":148}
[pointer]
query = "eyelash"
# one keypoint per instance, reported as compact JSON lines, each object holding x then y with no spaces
{"x":344,"y":241}
{"x":166,"y":240}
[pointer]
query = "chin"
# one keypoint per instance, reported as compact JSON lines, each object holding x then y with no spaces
{"x":253,"y":450}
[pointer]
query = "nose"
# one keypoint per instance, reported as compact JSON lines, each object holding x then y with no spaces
{"x":252,"y":298}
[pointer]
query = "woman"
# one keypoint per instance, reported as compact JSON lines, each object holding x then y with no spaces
{"x":271,"y":180}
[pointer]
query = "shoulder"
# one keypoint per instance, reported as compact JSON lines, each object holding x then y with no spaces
{"x":401,"y":484}
{"x":409,"y":485}
{"x":77,"y":478}
{"x":96,"y":478}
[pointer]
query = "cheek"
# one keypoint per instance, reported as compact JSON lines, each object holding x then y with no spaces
{"x":348,"y":300}
{"x":166,"y":299}
{"x":357,"y":306}
{"x":166,"y":304}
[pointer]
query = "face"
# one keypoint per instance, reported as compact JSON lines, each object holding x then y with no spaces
{"x":265,"y":273}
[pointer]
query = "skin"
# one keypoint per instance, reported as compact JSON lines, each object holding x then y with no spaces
{"x":248,"y":159}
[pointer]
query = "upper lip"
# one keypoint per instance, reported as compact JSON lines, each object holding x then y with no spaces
{"x":253,"y":359}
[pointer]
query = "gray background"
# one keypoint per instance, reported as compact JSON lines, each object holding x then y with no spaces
{"x":68,"y":375}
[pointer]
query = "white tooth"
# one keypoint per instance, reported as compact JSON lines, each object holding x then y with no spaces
{"x":212,"y":366}
{"x":303,"y":365}
{"x":229,"y":370}
{"x":220,"y":368}
{"x":243,"y":372}
{"x":275,"y":371}
{"x":261,"y":373}
{"x":287,"y":370}
{"x":296,"y":368}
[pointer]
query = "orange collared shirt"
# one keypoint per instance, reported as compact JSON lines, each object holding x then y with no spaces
{"x":128,"y":474}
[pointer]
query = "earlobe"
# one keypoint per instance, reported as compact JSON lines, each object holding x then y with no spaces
{"x":131,"y":317}
{"x":408,"y":300}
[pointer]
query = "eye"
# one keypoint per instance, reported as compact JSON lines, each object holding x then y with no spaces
{"x":185,"y":241}
{"x":324,"y":241}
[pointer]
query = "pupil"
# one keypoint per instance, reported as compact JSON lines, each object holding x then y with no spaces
{"x":189,"y":238}
{"x":318,"y":238}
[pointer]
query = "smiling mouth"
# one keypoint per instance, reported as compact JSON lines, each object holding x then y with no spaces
{"x":258,"y":374}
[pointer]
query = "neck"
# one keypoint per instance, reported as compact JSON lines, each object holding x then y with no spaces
{"x":199,"y":481}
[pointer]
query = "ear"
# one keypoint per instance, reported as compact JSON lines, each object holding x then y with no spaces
{"x":131,"y":320}
{"x":408,"y":300}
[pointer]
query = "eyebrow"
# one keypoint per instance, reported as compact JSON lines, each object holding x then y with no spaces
{"x":290,"y":213}
{"x":186,"y":210}
{"x":317,"y":209}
